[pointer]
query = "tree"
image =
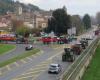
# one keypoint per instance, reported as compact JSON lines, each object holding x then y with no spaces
{"x":60,"y":22}
{"x":98,"y":18}
{"x":87,"y":21}
{"x":77,"y":22}
{"x":23,"y":30}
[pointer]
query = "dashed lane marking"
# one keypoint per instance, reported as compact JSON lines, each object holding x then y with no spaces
{"x":32,"y":73}
{"x":0,"y":73}
{"x":16,"y":64}
{"x":37,"y":69}
{"x":25,"y":76}
{"x":8,"y":67}
{"x":29,"y":58}
{"x":34,"y":56}
{"x":23,"y":61}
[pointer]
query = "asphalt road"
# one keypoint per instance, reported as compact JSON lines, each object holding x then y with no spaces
{"x":36,"y":69}
{"x":32,"y":64}
{"x":43,"y":75}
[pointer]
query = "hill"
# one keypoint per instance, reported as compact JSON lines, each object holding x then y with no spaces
{"x":11,"y":5}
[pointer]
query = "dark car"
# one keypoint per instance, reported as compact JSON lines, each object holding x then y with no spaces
{"x":20,"y":40}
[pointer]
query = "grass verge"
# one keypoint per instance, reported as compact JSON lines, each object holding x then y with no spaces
{"x":93,"y":71}
{"x":19,"y":57}
{"x":6,"y":47}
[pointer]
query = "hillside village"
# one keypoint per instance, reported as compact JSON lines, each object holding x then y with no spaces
{"x":32,"y":19}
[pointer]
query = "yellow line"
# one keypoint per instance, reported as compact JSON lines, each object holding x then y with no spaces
{"x":35,"y":77}
{"x":29,"y":58}
{"x":55,"y":55}
{"x":48,"y":60}
{"x":16,"y":64}
{"x":45,"y":62}
{"x":28,"y":76}
{"x":23,"y":77}
{"x":8,"y":67}
{"x":42,"y":65}
{"x":23,"y":61}
{"x":0,"y":73}
{"x":34,"y":72}
{"x":38,"y":68}
{"x":34,"y":56}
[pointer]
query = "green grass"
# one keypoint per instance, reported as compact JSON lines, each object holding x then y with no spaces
{"x":19,"y":57}
{"x":6,"y":47}
{"x":93,"y":72}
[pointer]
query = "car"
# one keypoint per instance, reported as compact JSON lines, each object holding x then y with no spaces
{"x":29,"y":47}
{"x":54,"y":68}
{"x":20,"y":40}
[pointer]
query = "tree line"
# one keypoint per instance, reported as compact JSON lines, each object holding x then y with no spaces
{"x":60,"y":22}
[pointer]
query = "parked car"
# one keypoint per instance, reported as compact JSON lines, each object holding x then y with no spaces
{"x":29,"y":47}
{"x":54,"y":68}
{"x":20,"y":40}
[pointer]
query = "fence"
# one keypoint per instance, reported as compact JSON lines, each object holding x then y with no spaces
{"x":77,"y":69}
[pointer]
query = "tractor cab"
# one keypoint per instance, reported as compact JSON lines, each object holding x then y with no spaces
{"x":68,"y":55}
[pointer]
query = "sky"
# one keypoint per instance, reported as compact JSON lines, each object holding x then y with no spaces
{"x":80,"y":7}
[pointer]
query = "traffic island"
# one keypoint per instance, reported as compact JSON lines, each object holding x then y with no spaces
{"x":19,"y":57}
{"x":6,"y":48}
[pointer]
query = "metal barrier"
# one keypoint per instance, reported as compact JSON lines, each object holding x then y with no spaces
{"x":75,"y":68}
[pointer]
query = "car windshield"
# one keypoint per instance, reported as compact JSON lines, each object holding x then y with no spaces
{"x":53,"y":67}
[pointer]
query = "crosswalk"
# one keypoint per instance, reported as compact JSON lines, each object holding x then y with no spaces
{"x":33,"y":73}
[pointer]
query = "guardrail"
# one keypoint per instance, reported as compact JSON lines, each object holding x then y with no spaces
{"x":75,"y":68}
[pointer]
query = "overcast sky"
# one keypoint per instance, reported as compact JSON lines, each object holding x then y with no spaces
{"x":80,"y":7}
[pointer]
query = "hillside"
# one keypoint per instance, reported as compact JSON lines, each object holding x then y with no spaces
{"x":11,"y":5}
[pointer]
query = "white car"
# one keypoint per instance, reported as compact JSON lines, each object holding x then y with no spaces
{"x":29,"y":47}
{"x":54,"y":68}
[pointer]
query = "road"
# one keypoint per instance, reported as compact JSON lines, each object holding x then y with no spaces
{"x":20,"y":48}
{"x":36,"y":69}
{"x":30,"y":65}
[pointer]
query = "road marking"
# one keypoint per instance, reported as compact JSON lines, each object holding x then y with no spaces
{"x":23,"y":61}
{"x":16,"y":64}
{"x":34,"y":72}
{"x":34,"y":56}
{"x":29,"y":58}
{"x":35,"y":77}
{"x":25,"y":75}
{"x":0,"y":73}
{"x":55,"y":55}
{"x":8,"y":67}
{"x":38,"y":68}
{"x":48,"y":61}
